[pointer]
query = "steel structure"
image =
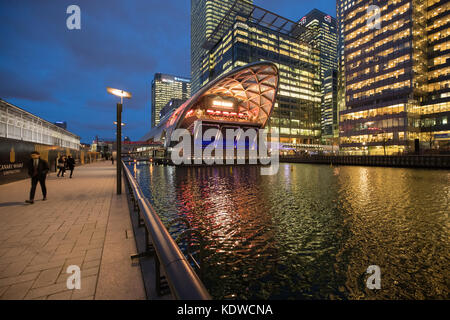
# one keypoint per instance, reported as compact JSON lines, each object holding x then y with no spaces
{"x":256,"y":15}
{"x":244,"y":97}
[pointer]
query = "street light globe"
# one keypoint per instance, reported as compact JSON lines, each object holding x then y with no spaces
{"x":119,"y":93}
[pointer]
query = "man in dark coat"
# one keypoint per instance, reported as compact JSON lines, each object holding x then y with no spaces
{"x":37,"y":170}
{"x":71,"y":164}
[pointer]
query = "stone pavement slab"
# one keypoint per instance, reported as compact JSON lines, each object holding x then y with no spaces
{"x":83,"y":223}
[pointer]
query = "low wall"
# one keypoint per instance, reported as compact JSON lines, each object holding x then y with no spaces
{"x":412,"y":161}
{"x":14,"y":155}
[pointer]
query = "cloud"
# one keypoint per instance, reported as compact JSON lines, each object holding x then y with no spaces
{"x":17,"y":85}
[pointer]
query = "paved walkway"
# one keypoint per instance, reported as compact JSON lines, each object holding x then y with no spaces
{"x":83,"y":223}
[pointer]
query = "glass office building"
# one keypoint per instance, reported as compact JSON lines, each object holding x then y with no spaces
{"x":324,"y":28}
{"x":396,"y":76}
{"x":324,"y":34}
{"x":435,"y":113}
{"x":164,"y":88}
{"x":341,"y":5}
{"x":250,"y":34}
{"x":330,"y":115}
{"x":206,"y":15}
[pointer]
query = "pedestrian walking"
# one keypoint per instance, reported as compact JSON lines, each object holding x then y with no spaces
{"x":71,"y":165}
{"x":37,"y":170}
{"x":112,"y":159}
{"x":61,"y":166}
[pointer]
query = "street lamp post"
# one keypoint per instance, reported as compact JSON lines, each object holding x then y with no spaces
{"x":122,"y":94}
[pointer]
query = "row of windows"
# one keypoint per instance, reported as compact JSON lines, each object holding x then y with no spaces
{"x":370,"y":82}
{"x":390,"y":87}
{"x":15,"y":125}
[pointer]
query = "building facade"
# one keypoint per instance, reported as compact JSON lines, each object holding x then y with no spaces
{"x":396,"y":76}
{"x":206,"y":15}
{"x":164,"y":88}
{"x":435,"y":113}
{"x":324,"y":33}
{"x":323,"y":28}
{"x":240,"y":99}
{"x":341,"y":5}
{"x":330,"y":114}
{"x":18,"y":124}
{"x":171,"y":106}
{"x":22,"y":132}
{"x":251,"y":34}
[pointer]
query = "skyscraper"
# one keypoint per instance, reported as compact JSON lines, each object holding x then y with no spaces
{"x":325,"y":35}
{"x":249,"y":34}
{"x":329,"y":111}
{"x":164,"y":88}
{"x":340,"y":6}
{"x":435,"y":113}
{"x":205,"y":17}
{"x":323,"y":29}
{"x":396,"y":77}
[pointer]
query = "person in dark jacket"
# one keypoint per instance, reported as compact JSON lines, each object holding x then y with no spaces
{"x":71,"y":165}
{"x":61,"y":166}
{"x":37,"y":170}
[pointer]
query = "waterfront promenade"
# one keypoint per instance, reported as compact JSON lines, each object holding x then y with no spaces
{"x":83,"y":223}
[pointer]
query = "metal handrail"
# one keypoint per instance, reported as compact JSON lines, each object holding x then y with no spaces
{"x":181,"y":277}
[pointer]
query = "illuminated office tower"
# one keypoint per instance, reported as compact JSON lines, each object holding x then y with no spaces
{"x":340,"y":6}
{"x":329,"y":110}
{"x":324,"y":36}
{"x":205,"y":17}
{"x":251,"y":34}
{"x":164,"y":88}
{"x":396,"y":76}
{"x":435,"y":114}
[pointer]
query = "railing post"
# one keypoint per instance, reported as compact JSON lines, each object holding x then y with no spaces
{"x":157,"y":275}
{"x":166,"y":253}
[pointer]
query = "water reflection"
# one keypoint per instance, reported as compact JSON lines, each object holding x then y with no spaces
{"x":311,"y":231}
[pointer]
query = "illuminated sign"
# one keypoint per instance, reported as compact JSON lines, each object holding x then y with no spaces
{"x":171,"y":79}
{"x":327,"y":19}
{"x":182,"y":79}
{"x":303,"y":20}
{"x":225,"y":104}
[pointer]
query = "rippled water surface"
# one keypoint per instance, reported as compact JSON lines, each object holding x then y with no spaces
{"x":311,"y":231}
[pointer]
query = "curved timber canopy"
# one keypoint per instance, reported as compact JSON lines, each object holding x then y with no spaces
{"x":243,"y":97}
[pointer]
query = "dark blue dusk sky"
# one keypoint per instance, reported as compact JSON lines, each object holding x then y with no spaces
{"x":61,"y":74}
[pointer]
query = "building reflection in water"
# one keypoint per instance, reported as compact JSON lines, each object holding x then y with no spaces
{"x":311,"y":231}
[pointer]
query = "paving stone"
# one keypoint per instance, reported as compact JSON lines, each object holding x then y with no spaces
{"x":2,"y":291}
{"x":91,"y":264}
{"x":47,"y":277}
{"x":18,"y":279}
{"x":15,"y":268}
{"x":44,"y":266}
{"x":88,"y":286}
{"x":17,"y":291}
{"x":46,"y":291}
{"x":93,"y":254}
{"x":65,"y":295}
{"x":39,"y":242}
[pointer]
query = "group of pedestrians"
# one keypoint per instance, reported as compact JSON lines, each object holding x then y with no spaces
{"x":65,"y":163}
{"x":38,"y":169}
